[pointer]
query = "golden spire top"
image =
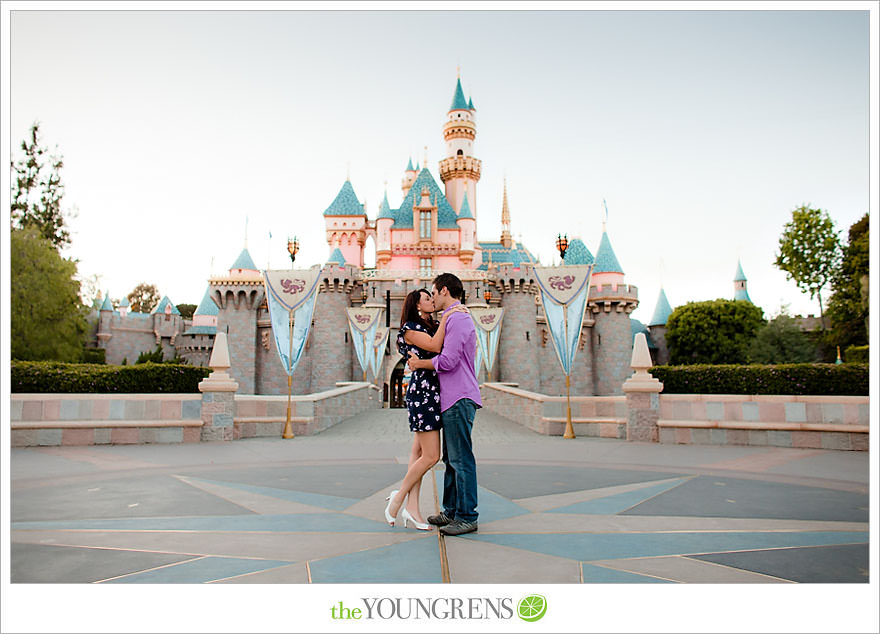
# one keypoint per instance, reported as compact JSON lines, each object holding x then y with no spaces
{"x":458,"y":71}
{"x":425,"y":166}
{"x":505,"y":220}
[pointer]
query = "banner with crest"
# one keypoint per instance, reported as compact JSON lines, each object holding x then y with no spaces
{"x":564,"y":293}
{"x":363,"y":322}
{"x":379,"y":343}
{"x":488,"y":323}
{"x":291,"y":296}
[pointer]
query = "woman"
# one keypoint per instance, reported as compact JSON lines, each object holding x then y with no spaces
{"x":419,"y":333}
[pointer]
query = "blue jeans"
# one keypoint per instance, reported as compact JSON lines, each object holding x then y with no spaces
{"x":460,"y":478}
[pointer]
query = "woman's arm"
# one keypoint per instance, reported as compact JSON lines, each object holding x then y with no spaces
{"x":425,"y":341}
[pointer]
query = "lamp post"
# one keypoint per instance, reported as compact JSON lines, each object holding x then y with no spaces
{"x":562,"y":246}
{"x":487,"y":295}
{"x":292,"y":249}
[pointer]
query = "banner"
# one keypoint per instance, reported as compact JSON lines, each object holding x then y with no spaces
{"x":291,"y":296}
{"x":363,"y":322}
{"x":564,"y":293}
{"x":488,"y":323}
{"x":379,"y":343}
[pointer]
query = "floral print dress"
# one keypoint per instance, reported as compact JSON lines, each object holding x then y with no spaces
{"x":423,"y":394}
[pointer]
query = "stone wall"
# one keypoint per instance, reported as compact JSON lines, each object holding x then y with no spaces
{"x":100,"y":419}
{"x":520,"y":341}
{"x":816,"y":422}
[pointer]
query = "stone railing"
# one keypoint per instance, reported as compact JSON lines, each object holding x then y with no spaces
{"x":603,"y":416}
{"x":101,"y":419}
{"x":266,"y":415}
{"x":816,"y":422}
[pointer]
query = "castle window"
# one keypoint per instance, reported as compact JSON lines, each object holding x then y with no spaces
{"x":425,"y":225}
{"x":460,"y":153}
{"x":425,"y":266}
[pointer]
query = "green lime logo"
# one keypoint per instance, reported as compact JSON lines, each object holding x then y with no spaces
{"x":532,"y":608}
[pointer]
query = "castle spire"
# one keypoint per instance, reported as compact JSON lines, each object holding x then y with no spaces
{"x":505,"y":220}
{"x":740,"y":283}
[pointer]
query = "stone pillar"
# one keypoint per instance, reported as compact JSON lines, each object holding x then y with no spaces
{"x":642,"y":395}
{"x":218,"y":394}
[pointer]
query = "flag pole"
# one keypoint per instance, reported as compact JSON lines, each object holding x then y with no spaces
{"x":288,"y":428}
{"x":569,"y":429}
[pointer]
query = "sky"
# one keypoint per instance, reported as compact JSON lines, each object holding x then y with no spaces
{"x":188,"y":134}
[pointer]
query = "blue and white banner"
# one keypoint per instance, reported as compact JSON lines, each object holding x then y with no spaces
{"x":488,"y":325}
{"x":379,"y":344}
{"x":564,"y":294}
{"x":363,"y":322}
{"x":291,"y":296}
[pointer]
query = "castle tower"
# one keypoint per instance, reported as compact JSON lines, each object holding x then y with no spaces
{"x":460,"y":171}
{"x":409,"y":175}
{"x":329,"y":347}
{"x":520,"y":340}
{"x":345,"y":221}
{"x":739,"y":284}
{"x":610,"y":302}
{"x":467,"y":234}
{"x":506,"y":240}
{"x":383,"y":233}
{"x":105,"y":319}
{"x":124,"y":306}
{"x":657,"y":328}
{"x":238,"y":296}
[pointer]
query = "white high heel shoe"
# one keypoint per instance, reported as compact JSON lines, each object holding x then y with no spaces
{"x":409,"y":518}
{"x":388,"y":517}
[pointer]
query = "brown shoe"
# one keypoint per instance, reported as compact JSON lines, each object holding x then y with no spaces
{"x":439,"y":520}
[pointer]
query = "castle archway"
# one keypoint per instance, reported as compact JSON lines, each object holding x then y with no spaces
{"x":398,"y":385}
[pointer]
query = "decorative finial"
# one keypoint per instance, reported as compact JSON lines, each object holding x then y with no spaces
{"x":348,"y":170}
{"x":426,"y":157}
{"x":458,"y":71}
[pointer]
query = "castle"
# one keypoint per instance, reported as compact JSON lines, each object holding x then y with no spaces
{"x":433,"y":230}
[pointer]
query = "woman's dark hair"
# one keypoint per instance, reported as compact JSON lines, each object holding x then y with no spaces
{"x":411,"y":309}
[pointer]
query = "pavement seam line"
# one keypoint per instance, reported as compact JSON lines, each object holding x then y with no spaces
{"x":730,"y":567}
{"x":444,"y":561}
{"x":684,"y":480}
{"x":140,"y":572}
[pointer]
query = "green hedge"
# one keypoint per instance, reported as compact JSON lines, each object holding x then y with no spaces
{"x":819,"y":379}
{"x":87,"y":378}
{"x":856,"y":354}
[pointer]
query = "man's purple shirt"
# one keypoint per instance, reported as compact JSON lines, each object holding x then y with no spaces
{"x":455,"y":363}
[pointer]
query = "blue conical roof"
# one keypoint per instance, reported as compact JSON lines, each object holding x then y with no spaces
{"x":345,"y":203}
{"x":661,"y":311}
{"x":446,"y":217}
{"x":458,"y":100}
{"x":471,"y":105}
{"x":409,"y":167}
{"x":336,"y":257}
{"x":606,"y":261}
{"x":636,"y":327}
{"x":160,"y":309}
{"x":740,"y":276}
{"x":207,"y":305}
{"x":385,"y":208}
{"x":578,"y":253}
{"x":244,"y":261}
{"x":107,"y":305}
{"x":124,"y":303}
{"x":465,"y":209}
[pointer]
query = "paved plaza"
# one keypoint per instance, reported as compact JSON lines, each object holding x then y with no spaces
{"x":309,"y":510}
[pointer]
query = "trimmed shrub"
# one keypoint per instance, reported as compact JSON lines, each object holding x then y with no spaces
{"x":86,"y":378}
{"x":818,"y":379}
{"x":94,"y":355}
{"x":856,"y":354}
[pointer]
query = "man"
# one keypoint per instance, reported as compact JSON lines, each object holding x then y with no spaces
{"x":459,"y":400}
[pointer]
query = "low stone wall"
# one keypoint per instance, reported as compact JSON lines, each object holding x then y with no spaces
{"x":265,"y":415}
{"x":814,"y":422}
{"x":102,"y":419}
{"x":598,"y":416}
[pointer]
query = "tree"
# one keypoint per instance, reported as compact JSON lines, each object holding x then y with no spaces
{"x":718,"y":331}
{"x":809,"y":250}
{"x":848,"y":304}
{"x":47,"y":318}
{"x":782,"y":341}
{"x":186,"y":310}
{"x":37,"y":191}
{"x":144,"y":298}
